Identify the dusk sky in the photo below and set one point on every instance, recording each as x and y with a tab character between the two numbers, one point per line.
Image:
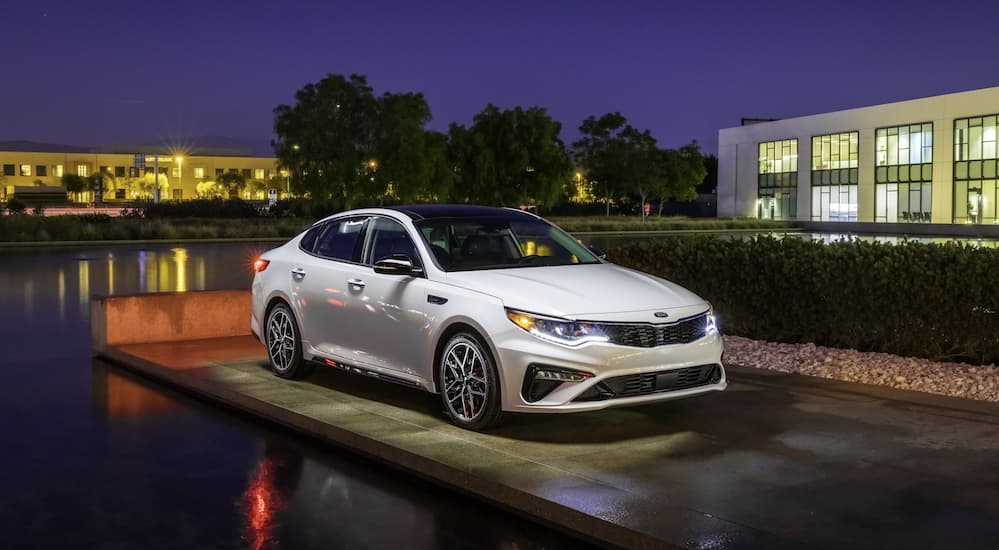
94	73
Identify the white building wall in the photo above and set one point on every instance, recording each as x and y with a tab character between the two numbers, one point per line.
738	149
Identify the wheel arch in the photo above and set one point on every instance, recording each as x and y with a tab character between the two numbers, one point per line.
463	325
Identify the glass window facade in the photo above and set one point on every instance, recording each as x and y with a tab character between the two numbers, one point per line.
834	176
975	178
903	173
778	180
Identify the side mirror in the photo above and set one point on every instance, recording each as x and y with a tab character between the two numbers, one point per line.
397	264
598	252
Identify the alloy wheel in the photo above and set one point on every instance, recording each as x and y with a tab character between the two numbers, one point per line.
281	340
466	386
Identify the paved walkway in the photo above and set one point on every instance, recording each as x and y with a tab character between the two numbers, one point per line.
774	461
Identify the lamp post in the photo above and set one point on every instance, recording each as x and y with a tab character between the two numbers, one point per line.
180	173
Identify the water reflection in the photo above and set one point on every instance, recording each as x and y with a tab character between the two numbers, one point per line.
121	397
288	493
142	271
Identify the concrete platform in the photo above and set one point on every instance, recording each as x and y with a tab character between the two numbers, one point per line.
776	461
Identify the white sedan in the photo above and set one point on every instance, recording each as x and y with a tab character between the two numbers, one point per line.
494	309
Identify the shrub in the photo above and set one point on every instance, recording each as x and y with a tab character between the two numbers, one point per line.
203	208
16	206
925	300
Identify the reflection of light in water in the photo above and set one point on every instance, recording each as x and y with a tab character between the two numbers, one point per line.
261	503
150	272
180	261
201	273
121	397
29	297
62	294
163	274
84	267
142	271
110	273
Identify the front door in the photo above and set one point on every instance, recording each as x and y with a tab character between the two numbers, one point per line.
390	311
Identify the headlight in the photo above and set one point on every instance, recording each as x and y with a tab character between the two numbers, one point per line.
711	324
560	331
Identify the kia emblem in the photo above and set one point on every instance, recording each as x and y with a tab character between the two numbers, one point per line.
661	314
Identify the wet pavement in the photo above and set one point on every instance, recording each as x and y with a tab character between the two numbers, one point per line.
94	457
775	461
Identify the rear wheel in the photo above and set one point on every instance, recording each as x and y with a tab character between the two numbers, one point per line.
284	343
469	383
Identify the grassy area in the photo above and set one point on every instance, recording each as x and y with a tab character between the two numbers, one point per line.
99	227
27	228
653	223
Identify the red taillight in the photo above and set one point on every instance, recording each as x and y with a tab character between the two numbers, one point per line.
260	265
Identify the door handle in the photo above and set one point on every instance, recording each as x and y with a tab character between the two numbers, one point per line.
298	273
356	283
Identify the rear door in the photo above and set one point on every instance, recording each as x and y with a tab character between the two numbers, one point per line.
320	279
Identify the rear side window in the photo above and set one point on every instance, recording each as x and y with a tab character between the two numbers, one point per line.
308	242
340	240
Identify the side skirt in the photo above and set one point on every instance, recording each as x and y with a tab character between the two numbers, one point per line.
367	372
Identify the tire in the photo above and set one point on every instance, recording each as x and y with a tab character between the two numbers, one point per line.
284	343
469	383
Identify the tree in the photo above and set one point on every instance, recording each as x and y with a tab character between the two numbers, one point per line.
509	157
710	182
406	157
74	184
208	189
232	183
618	158
326	136
145	185
683	171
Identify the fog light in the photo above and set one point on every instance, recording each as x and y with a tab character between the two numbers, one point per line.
541	380
544	373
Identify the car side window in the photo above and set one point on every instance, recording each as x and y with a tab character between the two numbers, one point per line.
308	242
340	240
388	238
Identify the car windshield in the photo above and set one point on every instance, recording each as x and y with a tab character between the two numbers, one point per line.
466	244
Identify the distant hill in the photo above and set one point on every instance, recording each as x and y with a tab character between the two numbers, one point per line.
201	145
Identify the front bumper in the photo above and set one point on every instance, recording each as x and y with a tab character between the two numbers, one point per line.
518	350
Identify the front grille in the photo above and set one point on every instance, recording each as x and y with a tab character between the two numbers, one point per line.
653	382
650	336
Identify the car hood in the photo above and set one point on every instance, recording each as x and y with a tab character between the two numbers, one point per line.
579	291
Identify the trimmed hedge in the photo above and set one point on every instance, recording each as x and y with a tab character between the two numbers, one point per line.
99	227
913	299
665	223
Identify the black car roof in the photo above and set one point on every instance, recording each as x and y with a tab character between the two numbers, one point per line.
428	211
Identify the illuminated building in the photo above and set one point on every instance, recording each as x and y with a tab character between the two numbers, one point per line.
187	176
929	160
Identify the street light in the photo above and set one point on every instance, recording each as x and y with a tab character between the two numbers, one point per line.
180	173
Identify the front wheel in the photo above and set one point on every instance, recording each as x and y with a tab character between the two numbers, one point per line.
284	344
469	383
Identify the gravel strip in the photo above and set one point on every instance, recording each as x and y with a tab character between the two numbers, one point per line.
883	369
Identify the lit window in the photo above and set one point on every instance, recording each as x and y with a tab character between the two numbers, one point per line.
25	169
199	172
778	180
82	170
903	174
834	176
909	144
175	172
58	170
976	161
258	174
